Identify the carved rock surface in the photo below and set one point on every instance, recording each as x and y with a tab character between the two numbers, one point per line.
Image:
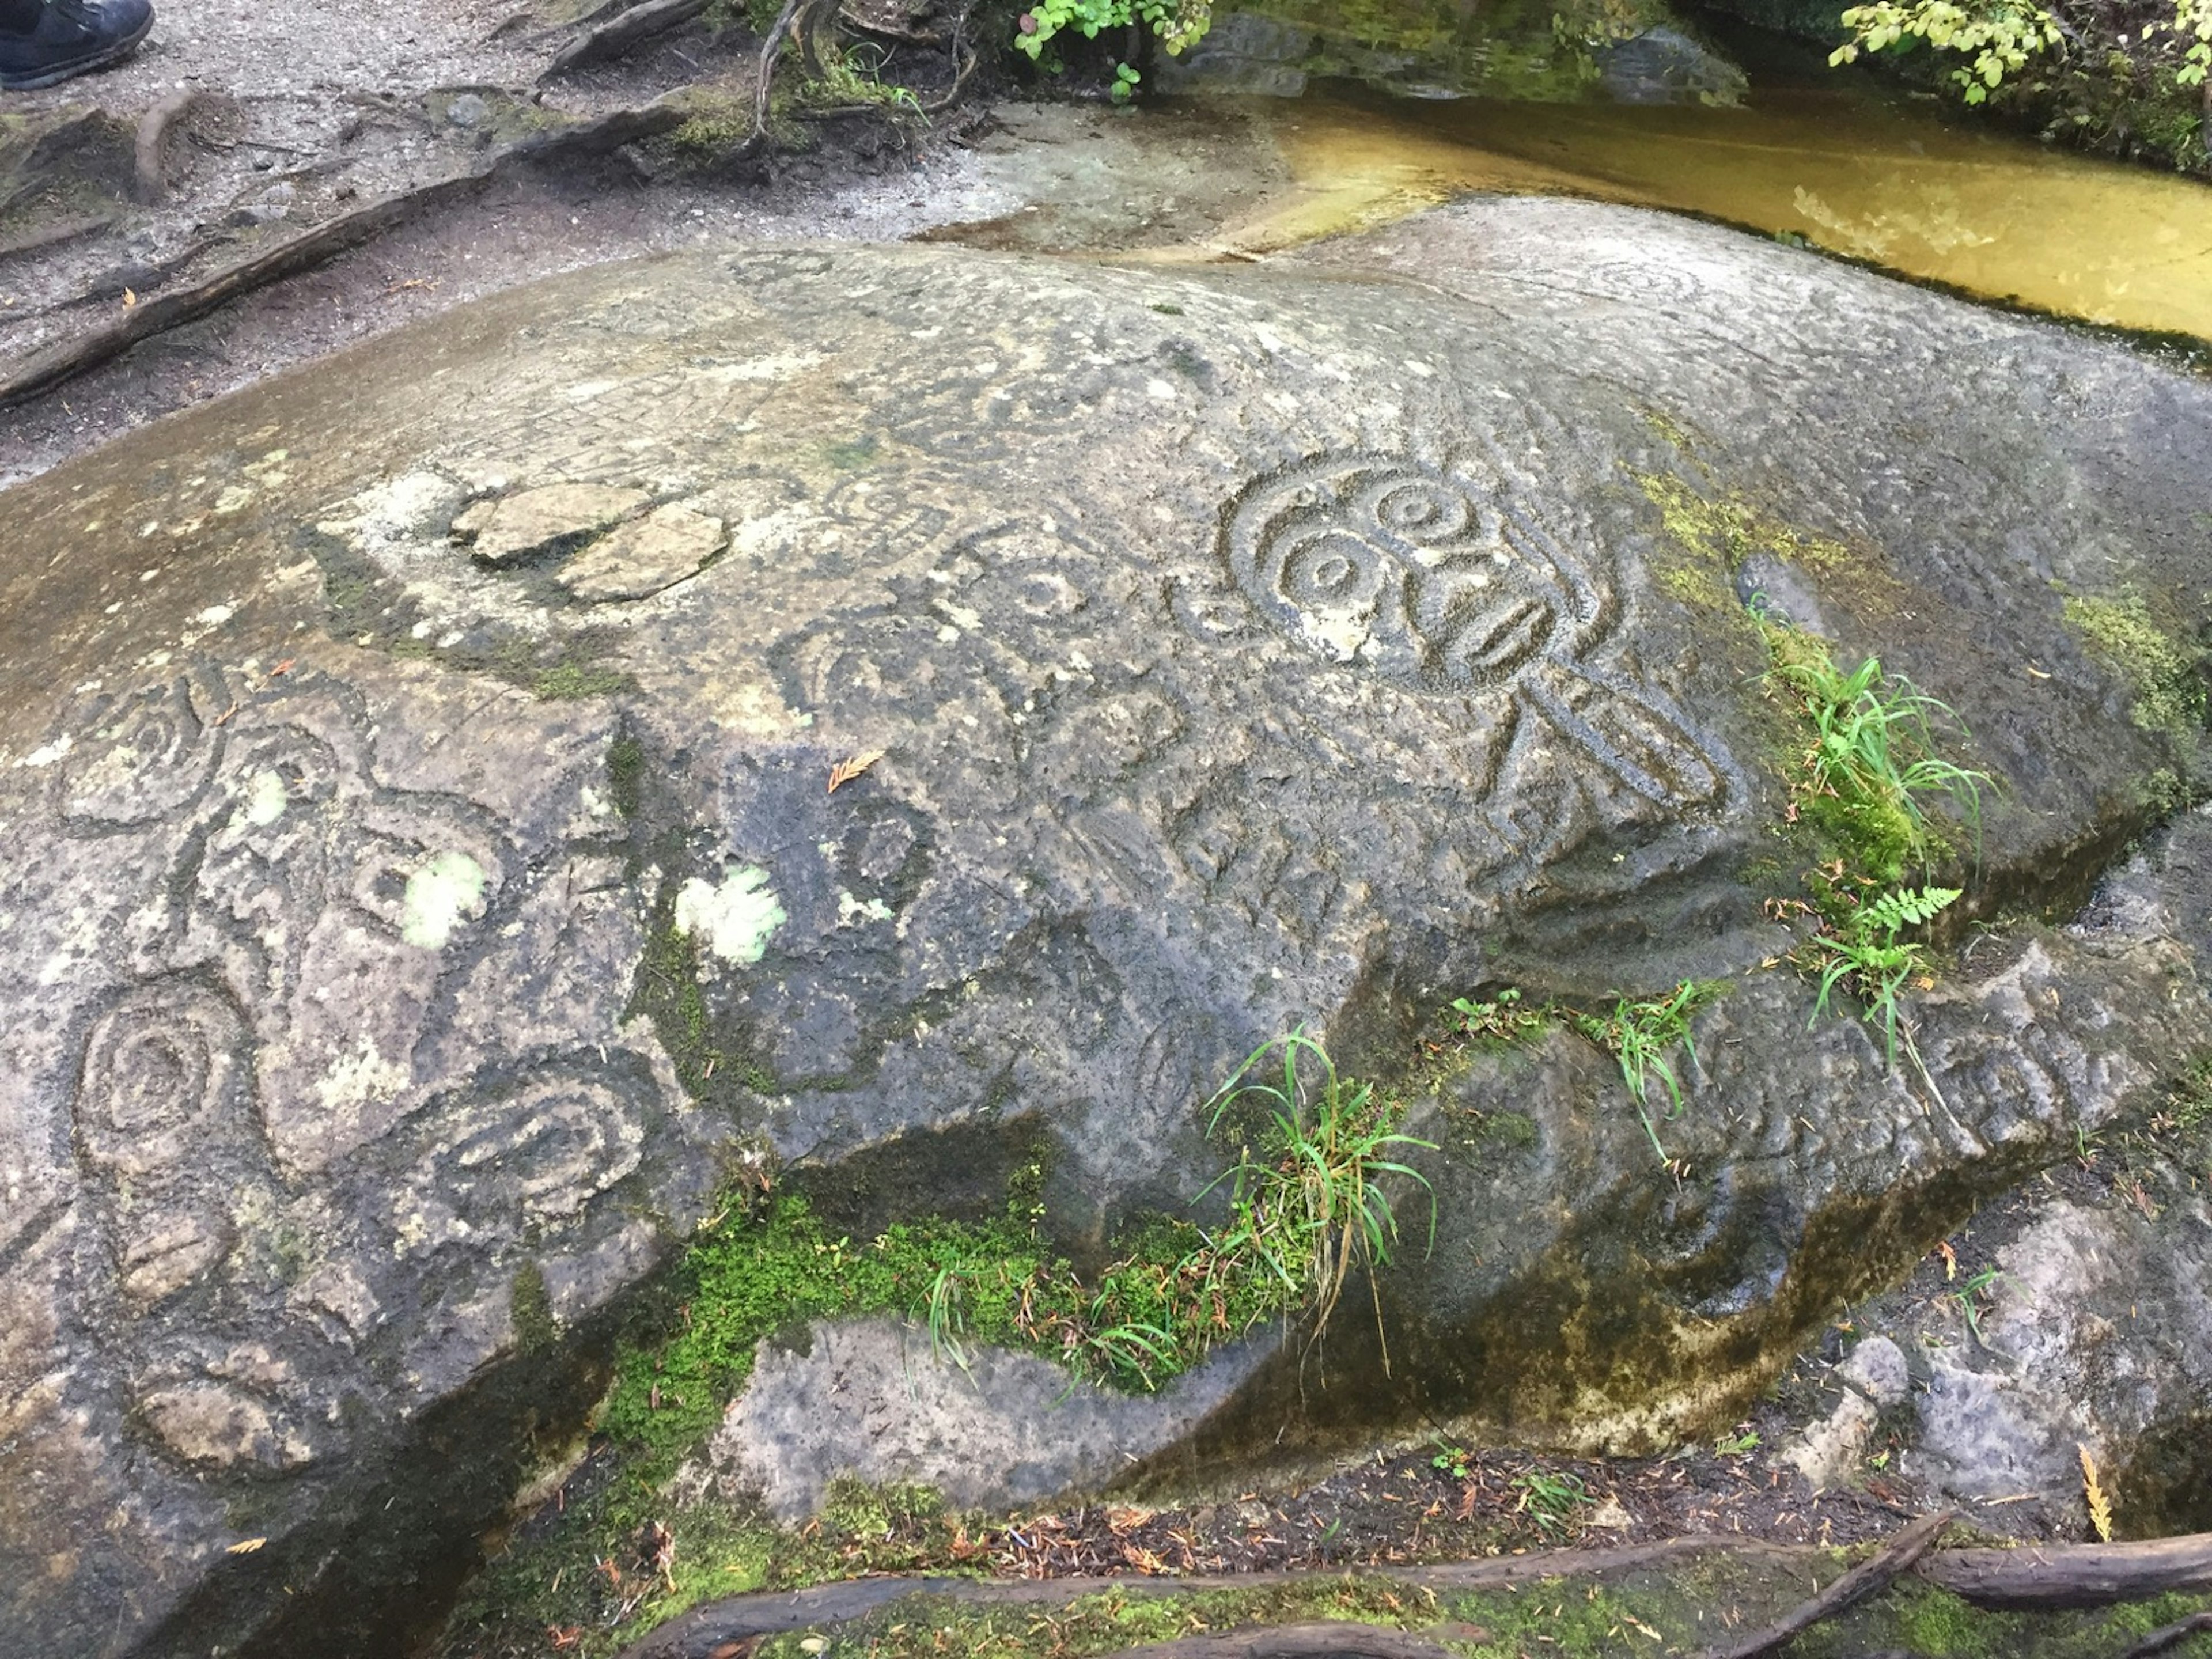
1246	648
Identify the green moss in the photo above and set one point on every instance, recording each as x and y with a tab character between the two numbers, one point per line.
1940	1625
570	682
2170	691
1720	532
532	1309
995	1283
626	774
924	1628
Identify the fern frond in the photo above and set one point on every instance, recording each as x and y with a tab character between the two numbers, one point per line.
2101	1505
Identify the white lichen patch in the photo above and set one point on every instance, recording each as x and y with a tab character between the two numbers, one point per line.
852	911
440	895
265	800
359	1079
736	920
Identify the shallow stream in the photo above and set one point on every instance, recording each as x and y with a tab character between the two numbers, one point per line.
1838	159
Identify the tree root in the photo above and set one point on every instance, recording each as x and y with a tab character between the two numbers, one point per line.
623	31
1335	1641
2169	1636
2044	1577
43	370
1869	1577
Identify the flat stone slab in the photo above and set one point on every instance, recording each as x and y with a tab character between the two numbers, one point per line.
637	561
396	949
871	1398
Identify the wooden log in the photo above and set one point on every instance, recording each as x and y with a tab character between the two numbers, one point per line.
1325	1641
2045	1575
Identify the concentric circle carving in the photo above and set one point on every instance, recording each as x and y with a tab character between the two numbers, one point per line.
163	1066
1416	573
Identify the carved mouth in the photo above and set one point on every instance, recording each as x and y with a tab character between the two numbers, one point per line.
1492	643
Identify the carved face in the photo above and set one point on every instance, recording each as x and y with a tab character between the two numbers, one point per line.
1391	565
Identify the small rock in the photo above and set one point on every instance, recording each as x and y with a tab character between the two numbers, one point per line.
1827	1454
642	558
540	521
1877	1369
469	110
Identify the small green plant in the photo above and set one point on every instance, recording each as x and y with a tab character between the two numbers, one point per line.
1864	950
1997	38
1455	1460
1640	1034
1735	1445
1969	1297
1313	1208
1872	762
1551	1500
1177	24
1502	1019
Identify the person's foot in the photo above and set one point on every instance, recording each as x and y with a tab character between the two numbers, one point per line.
73	37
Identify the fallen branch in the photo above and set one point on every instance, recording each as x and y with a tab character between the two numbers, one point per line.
1333	1641
2029	1578
2073	1575
2167	1635
620	33
43	370
1870	1577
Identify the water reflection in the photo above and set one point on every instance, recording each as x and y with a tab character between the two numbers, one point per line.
1846	166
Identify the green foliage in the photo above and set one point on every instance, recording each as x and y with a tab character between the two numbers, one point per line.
1969	1297
854	76
1498	1022
1997	36
1864	948
1641	1034
1551	1500
2169	692
1872	763
1452	1460
1177	24
1312	1208
626	774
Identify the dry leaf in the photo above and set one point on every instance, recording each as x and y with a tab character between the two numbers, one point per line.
2100	1506
247	1546
846	771
129	299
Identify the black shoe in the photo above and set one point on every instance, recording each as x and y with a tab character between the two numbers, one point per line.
74	37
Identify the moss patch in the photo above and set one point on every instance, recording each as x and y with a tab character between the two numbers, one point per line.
2170	689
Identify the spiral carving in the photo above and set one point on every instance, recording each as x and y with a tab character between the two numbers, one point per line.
163	1066
1385	563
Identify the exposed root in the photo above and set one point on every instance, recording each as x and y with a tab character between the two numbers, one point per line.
1869	1577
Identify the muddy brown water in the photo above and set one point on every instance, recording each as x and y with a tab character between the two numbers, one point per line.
1842	163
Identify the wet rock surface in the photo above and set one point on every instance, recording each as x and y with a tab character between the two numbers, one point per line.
871	1398
1244	648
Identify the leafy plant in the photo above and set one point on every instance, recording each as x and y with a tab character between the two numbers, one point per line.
1968	1297
1455	1460
1873	759
1551	1500
1313	1208
1640	1034
1177	24
1996	38
1865	951
1502	1019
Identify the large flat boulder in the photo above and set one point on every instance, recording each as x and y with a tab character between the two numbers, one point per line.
1090	674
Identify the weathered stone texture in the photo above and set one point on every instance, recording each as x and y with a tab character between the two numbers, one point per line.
1247	648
